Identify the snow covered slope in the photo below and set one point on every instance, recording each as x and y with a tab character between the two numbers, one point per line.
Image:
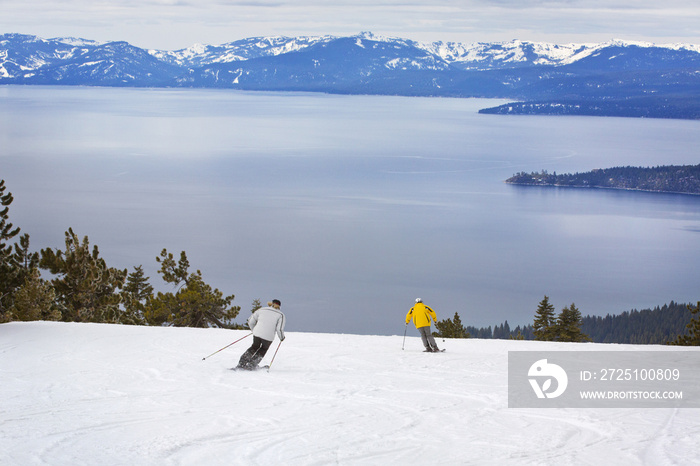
84	394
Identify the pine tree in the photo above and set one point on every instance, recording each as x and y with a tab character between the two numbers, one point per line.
195	304
18	267
134	296
451	328
9	280
569	325
173	272
86	289
545	321
498	332
34	300
461	330
6	230
693	336
137	285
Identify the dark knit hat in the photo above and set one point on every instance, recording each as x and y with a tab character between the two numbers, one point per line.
276	301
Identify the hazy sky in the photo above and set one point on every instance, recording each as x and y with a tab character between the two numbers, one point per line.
176	24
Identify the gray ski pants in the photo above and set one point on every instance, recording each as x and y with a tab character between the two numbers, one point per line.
427	337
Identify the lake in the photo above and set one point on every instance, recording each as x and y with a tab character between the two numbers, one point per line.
347	208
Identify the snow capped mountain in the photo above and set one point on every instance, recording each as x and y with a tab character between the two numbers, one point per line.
77	42
31	60
642	44
21	55
516	53
367	64
32	52
245	49
481	56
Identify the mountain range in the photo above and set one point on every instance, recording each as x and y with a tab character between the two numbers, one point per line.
613	78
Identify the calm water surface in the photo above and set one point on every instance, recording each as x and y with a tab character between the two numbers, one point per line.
347	208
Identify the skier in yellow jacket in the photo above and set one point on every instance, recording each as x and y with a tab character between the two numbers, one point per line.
421	315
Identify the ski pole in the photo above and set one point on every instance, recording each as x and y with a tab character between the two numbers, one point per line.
273	356
404	337
212	354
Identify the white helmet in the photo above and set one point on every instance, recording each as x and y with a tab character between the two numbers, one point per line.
418	300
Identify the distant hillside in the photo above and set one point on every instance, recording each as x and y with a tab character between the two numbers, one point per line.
648	326
683	179
613	78
655	326
639	107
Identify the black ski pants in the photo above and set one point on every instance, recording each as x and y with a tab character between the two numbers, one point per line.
253	355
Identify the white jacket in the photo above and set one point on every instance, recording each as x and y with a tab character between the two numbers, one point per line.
267	321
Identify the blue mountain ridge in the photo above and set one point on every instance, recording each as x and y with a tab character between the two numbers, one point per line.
615	78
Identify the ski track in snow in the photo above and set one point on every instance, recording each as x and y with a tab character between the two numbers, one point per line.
85	394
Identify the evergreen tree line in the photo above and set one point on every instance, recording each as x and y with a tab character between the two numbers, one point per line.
672	323
648	326
86	289
503	332
453	328
564	327
547	326
669	178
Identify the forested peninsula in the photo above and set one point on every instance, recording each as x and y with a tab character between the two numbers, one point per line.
684	179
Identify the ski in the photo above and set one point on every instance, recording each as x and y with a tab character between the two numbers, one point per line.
252	369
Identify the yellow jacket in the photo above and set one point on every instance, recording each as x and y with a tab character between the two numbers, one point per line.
421	315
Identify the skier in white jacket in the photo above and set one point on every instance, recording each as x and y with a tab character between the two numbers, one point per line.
264	323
